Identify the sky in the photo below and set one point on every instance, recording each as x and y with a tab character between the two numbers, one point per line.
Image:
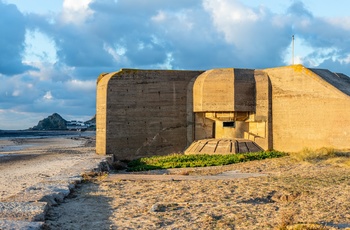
51	52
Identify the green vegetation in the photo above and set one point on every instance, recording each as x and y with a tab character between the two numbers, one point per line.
202	160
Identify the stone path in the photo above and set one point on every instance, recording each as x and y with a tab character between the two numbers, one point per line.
229	175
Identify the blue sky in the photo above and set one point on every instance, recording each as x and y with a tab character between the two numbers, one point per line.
51	52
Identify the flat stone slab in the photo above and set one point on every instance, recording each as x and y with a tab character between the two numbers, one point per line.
25	211
222	146
229	175
20	225
50	192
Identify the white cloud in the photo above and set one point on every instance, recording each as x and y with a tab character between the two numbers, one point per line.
79	85
76	11
76	5
48	96
183	18
253	34
16	93
230	17
160	17
168	62
342	22
345	60
301	50
51	72
117	52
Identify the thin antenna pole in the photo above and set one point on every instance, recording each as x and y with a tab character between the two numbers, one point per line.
293	50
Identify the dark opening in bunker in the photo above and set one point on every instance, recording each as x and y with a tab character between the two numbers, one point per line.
228	124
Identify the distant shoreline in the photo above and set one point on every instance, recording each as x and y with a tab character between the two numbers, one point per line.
43	133
15	140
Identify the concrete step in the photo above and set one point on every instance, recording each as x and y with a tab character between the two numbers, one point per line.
222	146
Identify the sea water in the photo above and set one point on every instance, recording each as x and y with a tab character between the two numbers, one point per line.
15	136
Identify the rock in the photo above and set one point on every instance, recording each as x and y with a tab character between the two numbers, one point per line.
24	211
53	122
119	165
20	225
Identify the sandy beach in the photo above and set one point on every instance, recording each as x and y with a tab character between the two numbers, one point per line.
28	160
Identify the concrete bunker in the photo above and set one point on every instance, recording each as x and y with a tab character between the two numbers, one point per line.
159	112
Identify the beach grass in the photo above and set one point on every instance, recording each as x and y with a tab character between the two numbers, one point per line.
197	160
326	155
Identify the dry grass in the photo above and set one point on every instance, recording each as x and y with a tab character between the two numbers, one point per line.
309	227
325	155
288	219
93	176
294	195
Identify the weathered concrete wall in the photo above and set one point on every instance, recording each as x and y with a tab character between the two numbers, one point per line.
307	110
260	122
224	90
204	128
101	112
244	90
146	112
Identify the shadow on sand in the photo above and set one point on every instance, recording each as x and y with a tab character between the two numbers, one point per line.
84	208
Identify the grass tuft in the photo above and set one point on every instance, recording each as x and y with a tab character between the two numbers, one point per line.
200	160
305	227
327	155
287	222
